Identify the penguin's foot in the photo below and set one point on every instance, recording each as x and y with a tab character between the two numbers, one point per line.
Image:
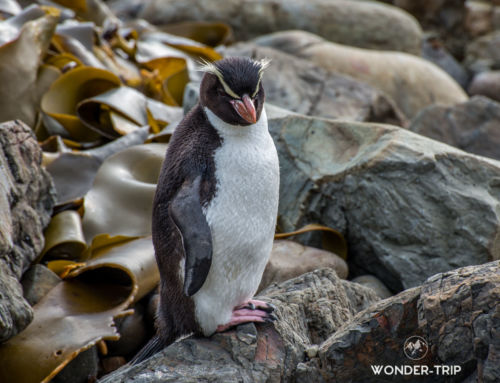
243	314
254	304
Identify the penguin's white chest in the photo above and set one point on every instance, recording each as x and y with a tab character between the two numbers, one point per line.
242	219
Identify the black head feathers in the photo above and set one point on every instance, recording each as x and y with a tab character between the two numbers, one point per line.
238	75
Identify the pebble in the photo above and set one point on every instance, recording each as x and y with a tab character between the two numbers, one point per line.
375	284
82	369
486	84
112	363
312	351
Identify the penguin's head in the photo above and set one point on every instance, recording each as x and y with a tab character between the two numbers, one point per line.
232	89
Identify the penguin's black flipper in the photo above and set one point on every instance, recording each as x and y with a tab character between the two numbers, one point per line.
186	212
154	345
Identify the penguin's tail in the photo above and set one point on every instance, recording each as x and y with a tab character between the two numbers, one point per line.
155	345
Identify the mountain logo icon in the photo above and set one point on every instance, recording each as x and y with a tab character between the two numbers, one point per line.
415	347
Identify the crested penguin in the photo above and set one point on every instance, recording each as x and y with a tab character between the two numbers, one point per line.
215	208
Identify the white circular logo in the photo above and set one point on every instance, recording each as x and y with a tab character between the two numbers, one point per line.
415	347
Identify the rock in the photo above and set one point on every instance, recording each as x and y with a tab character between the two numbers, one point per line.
373	283
366	24
412	82
483	54
309	308
15	312
495	18
478	17
472	126
26	200
290	259
455	314
112	363
303	87
133	333
82	369
434	51
359	298
408	206
486	84
37	282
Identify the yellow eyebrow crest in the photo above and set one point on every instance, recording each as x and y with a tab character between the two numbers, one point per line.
264	63
211	68
226	87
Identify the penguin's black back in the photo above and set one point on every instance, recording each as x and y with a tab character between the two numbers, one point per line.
190	153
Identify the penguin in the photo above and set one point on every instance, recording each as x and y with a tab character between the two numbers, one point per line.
215	208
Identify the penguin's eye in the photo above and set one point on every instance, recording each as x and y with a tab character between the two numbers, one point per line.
222	92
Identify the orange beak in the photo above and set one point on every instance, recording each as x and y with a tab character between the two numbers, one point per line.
245	108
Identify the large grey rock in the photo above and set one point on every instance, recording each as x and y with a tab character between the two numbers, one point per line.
367	25
26	200
304	87
456	314
408	206
309	309
472	126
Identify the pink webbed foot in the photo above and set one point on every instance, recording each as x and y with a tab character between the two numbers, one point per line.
251	311
254	304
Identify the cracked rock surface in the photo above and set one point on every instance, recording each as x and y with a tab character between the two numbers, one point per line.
26	200
408	206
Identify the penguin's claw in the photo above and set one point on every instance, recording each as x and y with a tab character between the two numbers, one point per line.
271	307
254	304
270	318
